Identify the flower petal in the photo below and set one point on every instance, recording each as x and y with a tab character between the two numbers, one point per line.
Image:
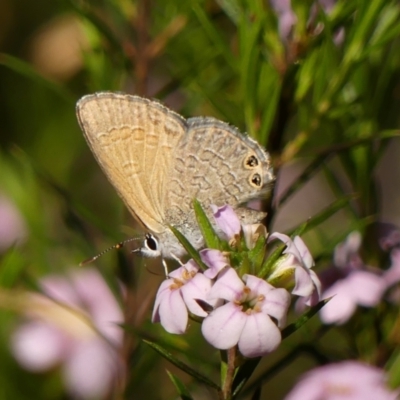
173	313
305	254
276	305
163	290
228	286
304	284
227	220
290	247
366	288
39	346
349	380
257	285
340	307
197	288
259	336
190	267
223	327
252	233
214	260
91	369
99	302
346	250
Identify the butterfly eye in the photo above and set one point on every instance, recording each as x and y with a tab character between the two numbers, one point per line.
251	162
151	242
255	180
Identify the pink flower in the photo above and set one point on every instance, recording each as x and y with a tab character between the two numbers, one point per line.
359	288
350	284
346	255
215	261
74	324
178	294
246	318
231	226
298	259
227	220
348	380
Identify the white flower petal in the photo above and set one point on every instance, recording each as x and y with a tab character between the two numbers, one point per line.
340	307
214	260
260	336
305	254
227	220
173	312
223	327
290	246
196	289
228	286
276	305
304	285
163	290
367	288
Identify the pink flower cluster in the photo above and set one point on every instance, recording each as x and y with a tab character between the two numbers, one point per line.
74	325
246	311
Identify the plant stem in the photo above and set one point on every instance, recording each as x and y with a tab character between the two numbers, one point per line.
230	373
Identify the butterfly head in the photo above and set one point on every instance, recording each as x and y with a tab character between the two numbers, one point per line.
150	248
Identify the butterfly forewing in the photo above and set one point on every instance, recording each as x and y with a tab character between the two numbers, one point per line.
133	140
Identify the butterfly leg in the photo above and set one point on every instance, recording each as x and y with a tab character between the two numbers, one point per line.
164	263
176	259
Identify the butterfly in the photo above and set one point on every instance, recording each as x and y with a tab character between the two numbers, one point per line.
159	162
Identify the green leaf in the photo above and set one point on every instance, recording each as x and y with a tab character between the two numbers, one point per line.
180	387
394	369
257	253
306	75
243	374
270	261
303	319
214	35
269	92
387	26
232	9
250	30
182	366
189	248
12	267
211	238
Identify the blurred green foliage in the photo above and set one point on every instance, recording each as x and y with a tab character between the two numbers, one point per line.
326	95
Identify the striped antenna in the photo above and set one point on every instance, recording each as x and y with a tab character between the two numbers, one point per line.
115	246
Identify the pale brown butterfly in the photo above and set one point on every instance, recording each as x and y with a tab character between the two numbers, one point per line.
159	162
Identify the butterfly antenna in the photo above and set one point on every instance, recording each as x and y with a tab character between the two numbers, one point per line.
115	246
